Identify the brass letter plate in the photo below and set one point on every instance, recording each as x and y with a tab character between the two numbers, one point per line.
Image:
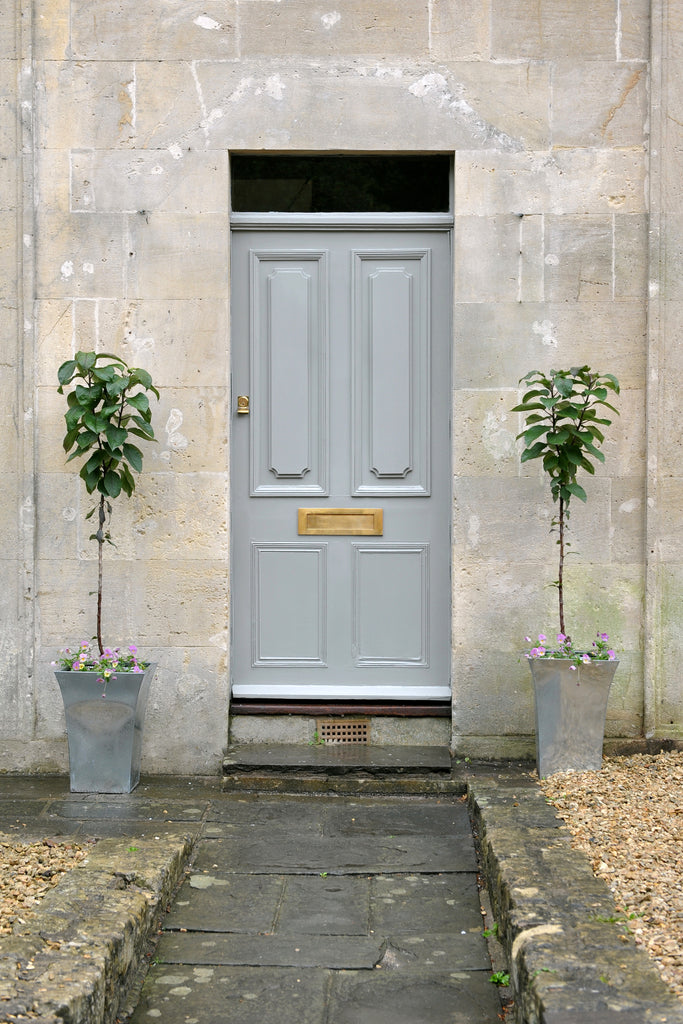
364	522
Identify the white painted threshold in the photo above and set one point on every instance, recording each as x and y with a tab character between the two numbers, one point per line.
290	691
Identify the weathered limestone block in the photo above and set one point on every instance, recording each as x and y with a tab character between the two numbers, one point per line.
177	256
671	281
668	709
156	30
670	503
595	181
579	258
624	446
181	342
494	521
484	441
85	104
175	515
613	109
150	181
190	427
8	35
501	342
51	30
627	538
508	104
8	126
460	31
55	338
192	431
191	677
500	259
246	105
152	603
79	256
543	29
630	261
17	705
352	27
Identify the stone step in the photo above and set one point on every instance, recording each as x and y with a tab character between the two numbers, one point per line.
340	768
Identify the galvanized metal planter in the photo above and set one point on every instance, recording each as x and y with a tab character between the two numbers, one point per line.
104	733
571	706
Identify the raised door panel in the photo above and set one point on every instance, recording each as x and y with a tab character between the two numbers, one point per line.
391	604
289	586
391	354
289	373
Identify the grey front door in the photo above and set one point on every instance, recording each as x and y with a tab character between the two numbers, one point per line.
341	466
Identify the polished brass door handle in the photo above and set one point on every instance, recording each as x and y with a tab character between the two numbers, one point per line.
243	404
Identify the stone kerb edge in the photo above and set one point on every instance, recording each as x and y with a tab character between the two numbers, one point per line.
568	958
76	956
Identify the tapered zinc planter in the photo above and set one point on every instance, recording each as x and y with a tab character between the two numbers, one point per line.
571	706
105	733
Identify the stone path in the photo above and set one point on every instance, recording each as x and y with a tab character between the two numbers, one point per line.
326	910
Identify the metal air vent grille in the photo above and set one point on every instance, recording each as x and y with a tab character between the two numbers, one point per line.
335	730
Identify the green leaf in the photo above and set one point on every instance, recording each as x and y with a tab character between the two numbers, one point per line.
86	439
533	432
577	490
104	373
564	385
144	426
139	401
86	360
66	371
134	456
127	480
558	438
94	423
116	436
533	453
111	484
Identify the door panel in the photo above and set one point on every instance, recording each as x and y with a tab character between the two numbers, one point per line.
289	373
391	379
342	341
289	583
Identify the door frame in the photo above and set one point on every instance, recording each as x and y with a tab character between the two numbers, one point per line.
324	223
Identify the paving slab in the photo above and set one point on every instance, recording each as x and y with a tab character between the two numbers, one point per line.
127	808
288	853
240	995
398	818
334	951
425	903
236	903
316	905
392	997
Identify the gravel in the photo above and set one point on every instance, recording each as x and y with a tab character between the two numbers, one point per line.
28	871
628	819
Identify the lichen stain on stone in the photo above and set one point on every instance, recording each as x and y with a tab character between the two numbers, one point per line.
497	440
435	86
628	88
127	101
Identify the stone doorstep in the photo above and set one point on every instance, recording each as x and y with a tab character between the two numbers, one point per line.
342	768
337	759
77	955
568	965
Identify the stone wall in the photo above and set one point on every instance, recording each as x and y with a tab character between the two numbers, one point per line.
135	109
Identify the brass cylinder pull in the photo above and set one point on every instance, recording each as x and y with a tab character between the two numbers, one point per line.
243	404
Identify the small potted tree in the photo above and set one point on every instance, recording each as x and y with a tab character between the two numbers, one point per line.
564	417
104	689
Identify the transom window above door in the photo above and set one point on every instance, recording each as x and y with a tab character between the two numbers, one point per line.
340	184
